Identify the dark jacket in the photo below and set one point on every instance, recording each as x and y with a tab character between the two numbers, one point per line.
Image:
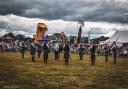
106	51
81	51
22	49
39	49
45	50
33	49
66	51
114	51
93	50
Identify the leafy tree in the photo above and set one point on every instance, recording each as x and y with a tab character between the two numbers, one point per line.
20	37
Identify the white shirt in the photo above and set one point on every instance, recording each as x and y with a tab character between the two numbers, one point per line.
56	47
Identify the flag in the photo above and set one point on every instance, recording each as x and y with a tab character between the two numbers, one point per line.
81	22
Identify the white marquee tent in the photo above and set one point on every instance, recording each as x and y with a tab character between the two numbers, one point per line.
120	37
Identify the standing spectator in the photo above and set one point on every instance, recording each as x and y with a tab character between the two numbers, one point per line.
81	52
66	53
106	53
39	50
22	50
56	50
60	47
45	54
33	51
114	53
93	53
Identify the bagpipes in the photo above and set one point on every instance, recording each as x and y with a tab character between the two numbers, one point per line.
114	42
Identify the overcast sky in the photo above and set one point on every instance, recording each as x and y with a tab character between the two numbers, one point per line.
101	17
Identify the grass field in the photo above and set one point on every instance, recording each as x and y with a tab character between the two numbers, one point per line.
17	74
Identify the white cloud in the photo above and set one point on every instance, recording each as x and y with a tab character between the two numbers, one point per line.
2	32
27	26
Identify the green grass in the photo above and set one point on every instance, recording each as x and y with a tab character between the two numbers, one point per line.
17	74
